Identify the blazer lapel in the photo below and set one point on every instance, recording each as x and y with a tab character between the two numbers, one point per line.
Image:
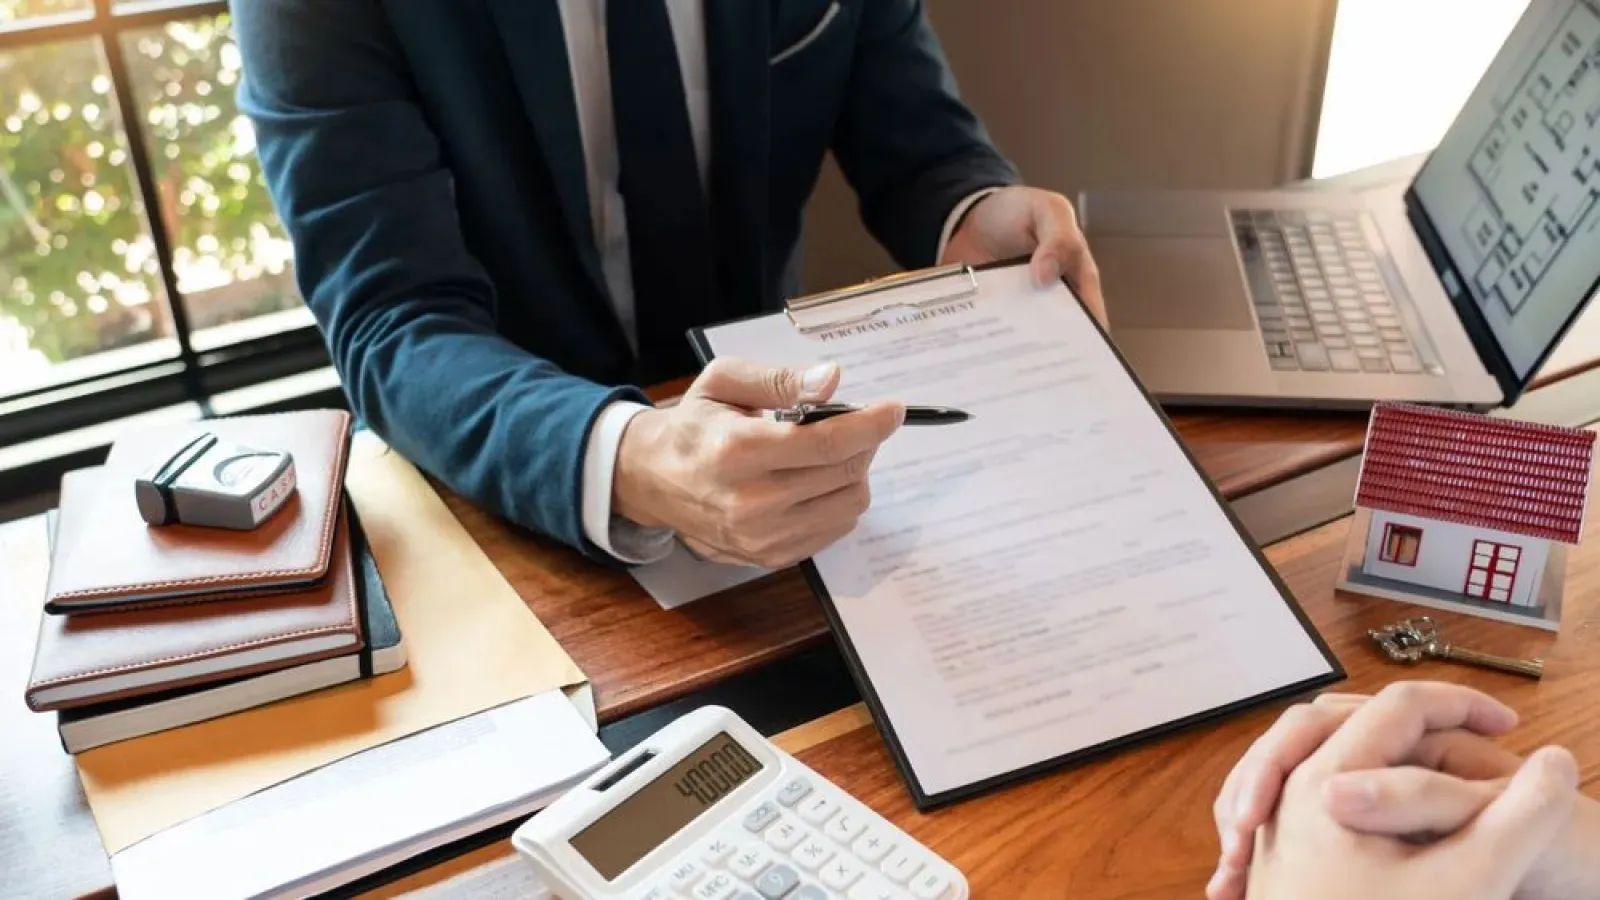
737	42
536	49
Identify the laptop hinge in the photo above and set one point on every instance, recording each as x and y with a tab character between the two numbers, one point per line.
1472	319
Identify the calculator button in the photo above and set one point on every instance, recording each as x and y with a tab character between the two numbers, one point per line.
785	834
872	846
809	892
845	827
930	885
793	792
777	882
901	865
748	861
817	809
659	892
760	817
716	886
746	895
683	874
715	850
840	873
873	887
812	853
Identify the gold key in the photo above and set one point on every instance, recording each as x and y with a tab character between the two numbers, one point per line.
1414	640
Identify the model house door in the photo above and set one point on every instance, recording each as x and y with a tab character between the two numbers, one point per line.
1492	571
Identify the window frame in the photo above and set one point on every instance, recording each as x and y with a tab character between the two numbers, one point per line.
190	376
1393	530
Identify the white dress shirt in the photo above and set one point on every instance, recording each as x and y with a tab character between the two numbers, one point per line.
583	24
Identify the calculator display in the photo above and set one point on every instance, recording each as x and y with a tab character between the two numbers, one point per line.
665	806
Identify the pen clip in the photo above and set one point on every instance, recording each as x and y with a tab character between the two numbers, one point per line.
797	413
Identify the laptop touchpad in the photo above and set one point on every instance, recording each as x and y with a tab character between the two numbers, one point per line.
1171	282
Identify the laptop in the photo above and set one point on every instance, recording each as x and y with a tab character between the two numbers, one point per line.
1451	289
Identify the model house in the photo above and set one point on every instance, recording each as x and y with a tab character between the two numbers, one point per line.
1469	504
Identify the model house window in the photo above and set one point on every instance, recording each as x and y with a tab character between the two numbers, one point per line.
1493	571
1400	544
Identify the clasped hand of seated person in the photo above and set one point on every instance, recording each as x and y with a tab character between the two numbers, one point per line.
1403	795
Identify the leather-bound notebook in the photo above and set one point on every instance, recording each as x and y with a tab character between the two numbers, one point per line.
84	660
87	727
107	557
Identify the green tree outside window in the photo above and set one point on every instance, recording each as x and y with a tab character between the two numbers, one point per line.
77	267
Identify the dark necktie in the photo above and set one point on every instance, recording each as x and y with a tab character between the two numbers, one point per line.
671	249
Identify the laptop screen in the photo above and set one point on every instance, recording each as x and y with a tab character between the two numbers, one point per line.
1513	189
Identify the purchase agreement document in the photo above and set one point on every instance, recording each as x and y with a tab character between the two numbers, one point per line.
1051	579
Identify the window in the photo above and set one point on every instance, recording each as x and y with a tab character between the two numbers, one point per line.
1492	573
1398	72
1400	544
141	262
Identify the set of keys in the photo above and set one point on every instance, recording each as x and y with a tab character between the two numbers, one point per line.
1415	640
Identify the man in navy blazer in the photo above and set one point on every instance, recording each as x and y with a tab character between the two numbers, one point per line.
505	213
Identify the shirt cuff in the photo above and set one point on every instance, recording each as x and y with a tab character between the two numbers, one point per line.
954	219
627	541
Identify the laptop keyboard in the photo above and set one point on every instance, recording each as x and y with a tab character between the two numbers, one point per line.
1321	303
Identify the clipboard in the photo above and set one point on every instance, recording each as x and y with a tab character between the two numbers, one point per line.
960	279
814	315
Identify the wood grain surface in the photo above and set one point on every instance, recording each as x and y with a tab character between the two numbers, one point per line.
1138	824
637	656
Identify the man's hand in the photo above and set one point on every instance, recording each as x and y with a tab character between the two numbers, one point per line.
1019	221
1251	791
1447	780
739	487
1454	777
1303	852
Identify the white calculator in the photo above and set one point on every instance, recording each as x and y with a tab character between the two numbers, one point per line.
707	809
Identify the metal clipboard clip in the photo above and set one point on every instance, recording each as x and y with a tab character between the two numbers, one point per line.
964	284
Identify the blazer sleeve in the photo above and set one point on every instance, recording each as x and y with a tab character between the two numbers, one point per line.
908	145
407	312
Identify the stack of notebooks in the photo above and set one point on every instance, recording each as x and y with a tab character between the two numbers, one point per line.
148	628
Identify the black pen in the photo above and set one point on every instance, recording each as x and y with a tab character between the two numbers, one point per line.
806	413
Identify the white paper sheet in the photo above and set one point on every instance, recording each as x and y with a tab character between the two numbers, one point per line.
1053	574
371	810
681	578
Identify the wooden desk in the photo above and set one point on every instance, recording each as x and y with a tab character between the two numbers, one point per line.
1138	823
637	656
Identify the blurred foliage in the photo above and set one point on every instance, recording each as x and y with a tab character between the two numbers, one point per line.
12	10
77	266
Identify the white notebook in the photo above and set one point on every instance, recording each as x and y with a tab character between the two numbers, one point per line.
1054	578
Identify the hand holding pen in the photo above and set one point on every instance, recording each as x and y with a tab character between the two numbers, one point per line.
736	486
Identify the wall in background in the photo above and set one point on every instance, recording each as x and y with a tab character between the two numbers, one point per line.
1081	93
1390	94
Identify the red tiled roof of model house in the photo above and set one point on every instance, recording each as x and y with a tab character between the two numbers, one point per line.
1520	477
